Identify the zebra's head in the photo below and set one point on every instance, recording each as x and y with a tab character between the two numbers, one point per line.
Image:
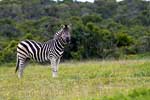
64	33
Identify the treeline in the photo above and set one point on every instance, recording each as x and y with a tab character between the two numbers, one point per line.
103	29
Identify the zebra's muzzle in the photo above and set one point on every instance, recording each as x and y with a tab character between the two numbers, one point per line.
67	40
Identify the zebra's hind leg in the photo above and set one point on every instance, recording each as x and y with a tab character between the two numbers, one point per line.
22	65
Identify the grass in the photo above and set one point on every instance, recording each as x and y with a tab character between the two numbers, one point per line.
138	56
87	80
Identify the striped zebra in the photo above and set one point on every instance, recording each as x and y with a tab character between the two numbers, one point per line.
51	50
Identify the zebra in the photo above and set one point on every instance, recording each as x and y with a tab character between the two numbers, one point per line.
51	51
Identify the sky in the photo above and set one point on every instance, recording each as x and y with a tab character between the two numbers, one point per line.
93	0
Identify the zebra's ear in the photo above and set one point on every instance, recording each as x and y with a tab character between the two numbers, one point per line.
69	26
62	26
65	26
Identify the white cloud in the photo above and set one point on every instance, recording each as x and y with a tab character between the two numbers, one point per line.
86	0
92	0
119	0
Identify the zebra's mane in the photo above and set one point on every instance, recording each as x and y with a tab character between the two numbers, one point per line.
49	41
57	34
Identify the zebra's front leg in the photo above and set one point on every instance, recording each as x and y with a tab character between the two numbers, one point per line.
54	67
57	62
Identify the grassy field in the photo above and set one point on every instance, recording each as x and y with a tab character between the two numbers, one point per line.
86	80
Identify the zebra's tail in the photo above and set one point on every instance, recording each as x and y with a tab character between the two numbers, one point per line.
17	65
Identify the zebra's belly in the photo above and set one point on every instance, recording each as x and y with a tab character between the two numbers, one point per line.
40	60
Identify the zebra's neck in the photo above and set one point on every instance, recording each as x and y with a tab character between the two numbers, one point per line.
60	44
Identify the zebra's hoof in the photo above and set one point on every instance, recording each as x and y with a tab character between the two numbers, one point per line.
54	75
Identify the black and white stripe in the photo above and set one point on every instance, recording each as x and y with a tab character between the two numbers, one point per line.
51	50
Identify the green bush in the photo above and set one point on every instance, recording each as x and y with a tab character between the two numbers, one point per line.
104	29
123	39
8	54
92	18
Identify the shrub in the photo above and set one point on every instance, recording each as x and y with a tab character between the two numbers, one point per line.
8	54
123	39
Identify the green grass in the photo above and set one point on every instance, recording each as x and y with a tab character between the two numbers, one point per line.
87	80
138	56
